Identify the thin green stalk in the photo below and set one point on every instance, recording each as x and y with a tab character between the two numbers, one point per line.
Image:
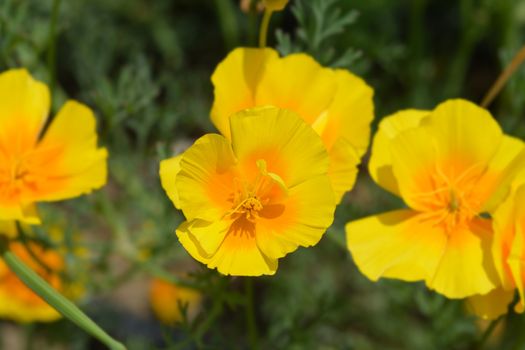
250	314
25	242
199	333
212	316
53	298
511	68
51	49
265	24
488	332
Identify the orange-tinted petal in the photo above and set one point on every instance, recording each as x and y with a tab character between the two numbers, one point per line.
290	148
67	161
17	301
206	179
456	126
414	165
238	254
299	220
466	267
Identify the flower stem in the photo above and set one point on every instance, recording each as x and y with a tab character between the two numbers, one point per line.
504	77
263	33
53	298
250	314
488	332
25	242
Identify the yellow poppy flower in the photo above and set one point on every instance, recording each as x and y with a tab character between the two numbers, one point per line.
254	199
336	103
167	299
36	165
451	166
18	302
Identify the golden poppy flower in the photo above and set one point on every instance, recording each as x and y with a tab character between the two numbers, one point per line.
17	301
336	103
451	166
254	199
167	299
36	165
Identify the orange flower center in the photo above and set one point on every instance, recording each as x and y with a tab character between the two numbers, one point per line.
249	200
452	199
248	204
251	207
14	178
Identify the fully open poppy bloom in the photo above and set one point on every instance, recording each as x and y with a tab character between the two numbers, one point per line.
254	199
336	103
451	166
17	301
168	299
36	165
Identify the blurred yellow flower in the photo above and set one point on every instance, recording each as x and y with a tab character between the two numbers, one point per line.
254	199
336	103
275	5
508	249
168	299
36	165
18	302
451	166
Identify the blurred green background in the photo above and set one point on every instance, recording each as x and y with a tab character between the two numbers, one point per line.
145	66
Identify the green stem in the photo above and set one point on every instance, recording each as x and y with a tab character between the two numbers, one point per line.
488	332
51	53
53	298
25	242
263	33
214	313
250	314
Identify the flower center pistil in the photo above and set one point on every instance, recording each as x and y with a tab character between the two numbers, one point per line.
249	199
251	207
15	178
452	201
